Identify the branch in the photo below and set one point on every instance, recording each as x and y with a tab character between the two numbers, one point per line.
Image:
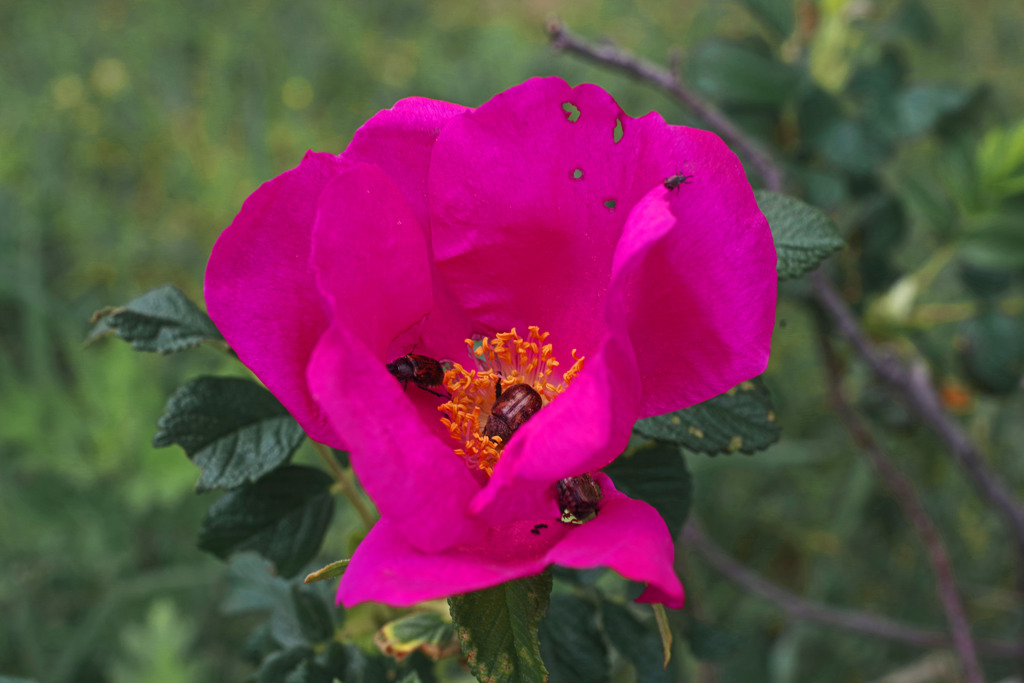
800	608
609	55
906	495
917	391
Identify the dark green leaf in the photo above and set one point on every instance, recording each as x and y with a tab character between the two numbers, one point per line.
283	517
1000	245
233	429
307	615
294	665
497	629
804	236
658	476
710	643
252	585
736	73
571	643
427	632
991	348
161	320
985	282
637	642
852	146
777	15
741	419
920	107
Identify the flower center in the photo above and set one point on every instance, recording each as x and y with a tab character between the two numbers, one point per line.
514	378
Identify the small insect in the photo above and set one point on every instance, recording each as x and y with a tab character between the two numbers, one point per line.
511	410
536	529
423	371
673	182
578	498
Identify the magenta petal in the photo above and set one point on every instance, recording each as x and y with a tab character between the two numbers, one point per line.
520	240
700	297
262	294
370	257
627	536
400	141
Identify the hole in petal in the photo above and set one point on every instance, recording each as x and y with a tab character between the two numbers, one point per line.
572	112
577	174
617	133
609	203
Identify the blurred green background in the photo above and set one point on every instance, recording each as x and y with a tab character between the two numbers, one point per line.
130	133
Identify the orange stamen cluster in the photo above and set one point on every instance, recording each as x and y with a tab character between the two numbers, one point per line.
509	359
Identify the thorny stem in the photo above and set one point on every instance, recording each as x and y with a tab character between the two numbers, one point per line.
913	509
345	484
910	383
801	608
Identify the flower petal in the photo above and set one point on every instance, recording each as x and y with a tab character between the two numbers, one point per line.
261	293
517	236
400	141
700	297
370	257
627	535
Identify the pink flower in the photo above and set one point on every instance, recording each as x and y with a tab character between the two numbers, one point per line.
546	207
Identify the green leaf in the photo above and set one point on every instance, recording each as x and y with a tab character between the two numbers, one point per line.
991	347
710	643
737	73
637	642
163	320
283	517
428	632
571	642
777	15
920	107
999	245
497	629
658	476
804	236
741	419
294	665
252	585
307	617
233	429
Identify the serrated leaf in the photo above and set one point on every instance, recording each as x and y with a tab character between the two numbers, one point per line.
497	629
804	236
233	429
742	419
635	641
571	643
658	476
427	632
283	517
331	571
162	320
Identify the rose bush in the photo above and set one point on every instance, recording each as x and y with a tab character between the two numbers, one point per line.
546	209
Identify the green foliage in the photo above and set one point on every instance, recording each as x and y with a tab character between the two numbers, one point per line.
155	652
637	643
283	516
497	629
656	475
742	419
804	236
991	348
161	320
233	429
427	632
777	15
739	73
571	642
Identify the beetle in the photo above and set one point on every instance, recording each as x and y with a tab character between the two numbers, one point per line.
511	409
578	498
673	182
423	371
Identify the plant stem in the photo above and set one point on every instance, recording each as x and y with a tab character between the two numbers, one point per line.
345	484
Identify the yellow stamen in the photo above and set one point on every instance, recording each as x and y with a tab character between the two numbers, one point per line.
509	359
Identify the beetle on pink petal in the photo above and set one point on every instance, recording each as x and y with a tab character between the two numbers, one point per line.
537	240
